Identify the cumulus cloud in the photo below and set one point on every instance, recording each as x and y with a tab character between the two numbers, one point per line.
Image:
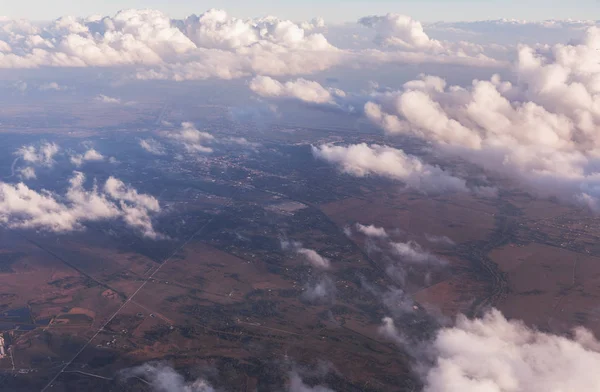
363	160
310	255
23	207
494	354
192	139
540	131
400	30
412	252
315	259
153	146
301	89
371	231
90	155
407	41
213	45
42	155
163	378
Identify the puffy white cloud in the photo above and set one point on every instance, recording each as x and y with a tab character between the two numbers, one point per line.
153	146
212	44
494	354
192	139
23	207
315	259
363	160
163	378
541	131
301	89
400	30
372	231
406	41
91	155
42	155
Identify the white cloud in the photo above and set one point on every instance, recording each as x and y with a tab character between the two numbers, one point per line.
42	155
22	207
90	155
412	252
297	385
106	99
213	45
163	378
540	131
192	139
315	259
400	30
152	146
372	231
322	290
406	41
363	160
494	354
51	86
389	331
27	173
440	240
301	89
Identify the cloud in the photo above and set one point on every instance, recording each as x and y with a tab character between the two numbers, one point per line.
106	99
400	30
412	252
150	45
389	331
372	231
297	385
315	259
164	378
364	160
440	240
152	146
540	131
90	155
192	139
42	155
311	256
321	290
405	40
23	207
27	173
301	89
494	354
51	86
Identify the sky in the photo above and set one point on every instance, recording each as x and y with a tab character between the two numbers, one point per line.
334	11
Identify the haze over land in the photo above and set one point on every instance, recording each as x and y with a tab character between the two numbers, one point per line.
217	203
